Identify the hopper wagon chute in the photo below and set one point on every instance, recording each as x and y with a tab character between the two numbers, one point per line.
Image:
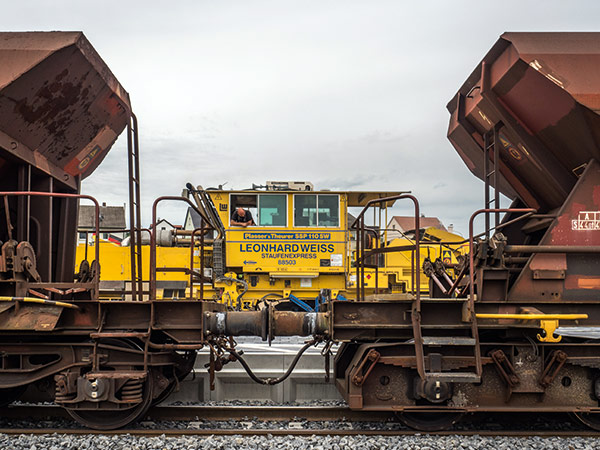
527	122
61	110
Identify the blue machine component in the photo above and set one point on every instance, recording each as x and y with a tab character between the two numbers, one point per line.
306	307
300	303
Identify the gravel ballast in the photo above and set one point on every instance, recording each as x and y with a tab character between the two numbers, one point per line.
128	442
470	423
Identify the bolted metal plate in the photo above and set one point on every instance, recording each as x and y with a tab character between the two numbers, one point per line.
30	317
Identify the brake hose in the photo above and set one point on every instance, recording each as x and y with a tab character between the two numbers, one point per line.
272	381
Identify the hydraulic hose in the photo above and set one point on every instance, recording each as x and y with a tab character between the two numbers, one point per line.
272	381
264	298
238	300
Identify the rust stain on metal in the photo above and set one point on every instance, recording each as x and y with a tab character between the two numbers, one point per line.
31	317
582	282
61	108
544	91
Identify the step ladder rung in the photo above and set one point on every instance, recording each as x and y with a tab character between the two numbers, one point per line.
454	377
448	340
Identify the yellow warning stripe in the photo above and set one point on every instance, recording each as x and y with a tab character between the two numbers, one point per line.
533	316
38	300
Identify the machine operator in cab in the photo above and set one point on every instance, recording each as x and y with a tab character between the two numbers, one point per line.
241	218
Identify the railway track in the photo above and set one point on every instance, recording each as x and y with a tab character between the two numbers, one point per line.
252	420
296	432
217	413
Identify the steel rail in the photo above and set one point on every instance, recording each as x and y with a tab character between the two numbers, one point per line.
339	414
216	413
296	432
267	412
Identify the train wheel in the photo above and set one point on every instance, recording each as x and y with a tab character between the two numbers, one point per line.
180	372
429	421
7	396
111	419
591	420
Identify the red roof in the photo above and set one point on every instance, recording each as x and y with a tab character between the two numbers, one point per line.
407	223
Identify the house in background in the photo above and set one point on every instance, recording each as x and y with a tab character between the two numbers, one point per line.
192	219
192	222
401	225
164	224
112	222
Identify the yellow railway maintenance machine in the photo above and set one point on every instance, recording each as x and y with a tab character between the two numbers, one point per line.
300	246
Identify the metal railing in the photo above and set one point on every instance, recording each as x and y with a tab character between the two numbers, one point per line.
528	212
362	254
5	195
135	215
202	230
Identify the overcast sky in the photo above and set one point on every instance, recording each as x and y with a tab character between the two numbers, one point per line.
345	94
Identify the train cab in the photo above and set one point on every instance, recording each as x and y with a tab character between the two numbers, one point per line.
298	242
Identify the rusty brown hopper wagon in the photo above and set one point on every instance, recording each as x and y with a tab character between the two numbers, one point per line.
61	110
528	121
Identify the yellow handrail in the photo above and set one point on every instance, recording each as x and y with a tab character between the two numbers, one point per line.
38	300
548	322
532	316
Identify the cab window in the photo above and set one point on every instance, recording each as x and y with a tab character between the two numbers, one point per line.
272	210
316	210
305	210
246	201
329	211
